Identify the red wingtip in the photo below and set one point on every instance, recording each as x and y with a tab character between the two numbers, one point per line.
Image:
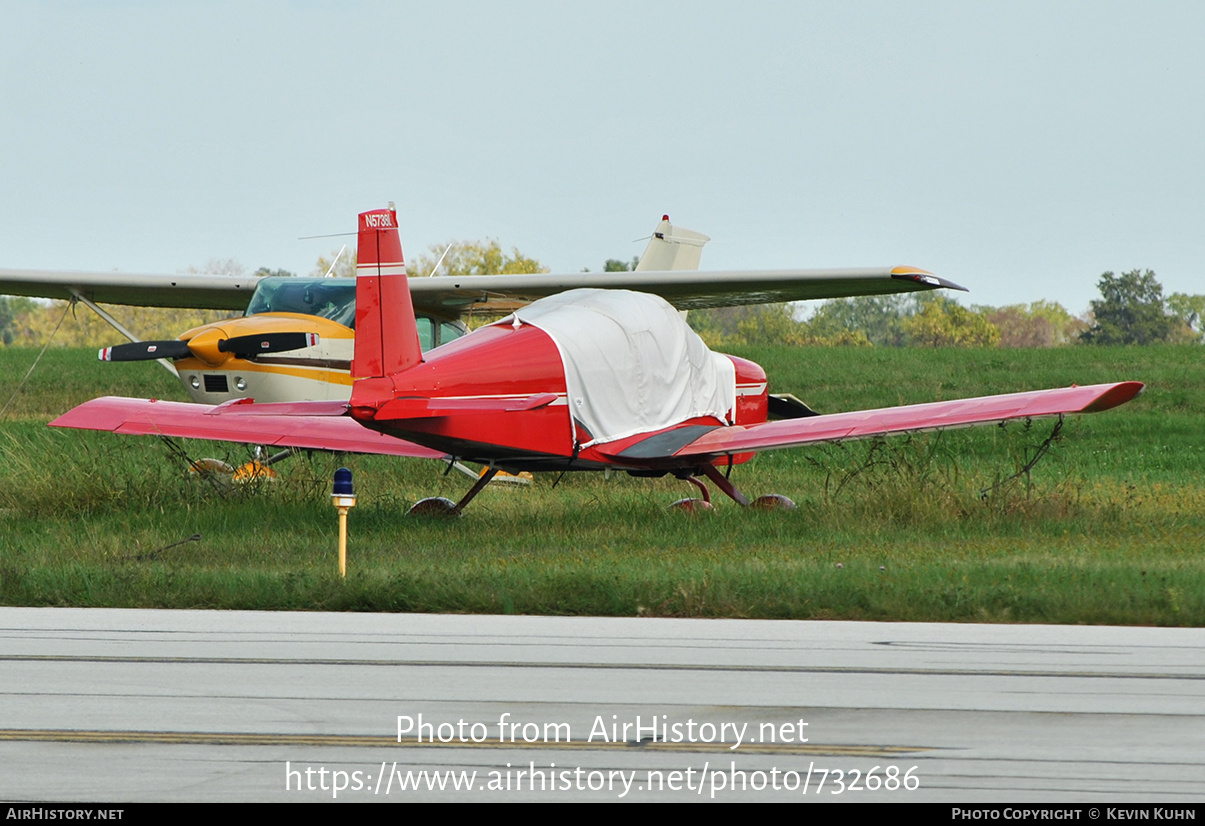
1116	395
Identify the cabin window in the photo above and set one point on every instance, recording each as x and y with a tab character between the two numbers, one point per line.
335	298
450	331
332	298
426	333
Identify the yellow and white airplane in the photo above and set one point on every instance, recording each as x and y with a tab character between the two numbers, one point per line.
295	338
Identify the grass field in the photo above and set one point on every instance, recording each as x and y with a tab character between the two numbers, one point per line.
1108	528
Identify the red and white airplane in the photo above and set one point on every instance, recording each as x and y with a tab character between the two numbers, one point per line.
587	379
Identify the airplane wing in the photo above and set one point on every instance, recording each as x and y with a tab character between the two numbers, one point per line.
453	295
205	292
284	425
323	425
704	443
690	290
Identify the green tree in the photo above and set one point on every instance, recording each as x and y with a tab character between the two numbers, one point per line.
877	318
1131	310
1040	324
763	324
12	313
1190	309
945	323
749	324
339	263
83	328
473	258
265	272
615	265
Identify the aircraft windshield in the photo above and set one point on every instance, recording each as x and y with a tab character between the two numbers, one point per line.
333	298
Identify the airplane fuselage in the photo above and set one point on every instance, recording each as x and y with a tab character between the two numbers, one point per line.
499	395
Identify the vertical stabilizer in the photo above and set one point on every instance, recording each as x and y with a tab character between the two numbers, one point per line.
386	333
672	248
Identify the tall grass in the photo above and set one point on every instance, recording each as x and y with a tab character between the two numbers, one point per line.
1107	528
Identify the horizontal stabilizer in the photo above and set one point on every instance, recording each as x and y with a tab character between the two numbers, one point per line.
419	408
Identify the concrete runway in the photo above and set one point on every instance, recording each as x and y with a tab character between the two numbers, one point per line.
125	705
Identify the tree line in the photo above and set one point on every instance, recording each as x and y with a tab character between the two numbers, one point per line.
1131	310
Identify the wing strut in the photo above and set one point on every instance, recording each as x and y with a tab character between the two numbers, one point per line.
33	366
117	325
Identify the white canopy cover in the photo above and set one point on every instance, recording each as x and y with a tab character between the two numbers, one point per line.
632	364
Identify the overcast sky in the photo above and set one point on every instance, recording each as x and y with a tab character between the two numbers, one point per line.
1017	148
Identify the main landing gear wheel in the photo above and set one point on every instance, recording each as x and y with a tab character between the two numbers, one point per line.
258	469
772	501
212	467
434	506
693	506
439	506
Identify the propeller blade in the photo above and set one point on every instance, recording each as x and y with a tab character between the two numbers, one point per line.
250	346
146	351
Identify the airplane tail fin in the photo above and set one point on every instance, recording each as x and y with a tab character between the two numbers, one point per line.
386	333
672	248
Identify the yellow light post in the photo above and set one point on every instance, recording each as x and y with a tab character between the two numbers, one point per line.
344	499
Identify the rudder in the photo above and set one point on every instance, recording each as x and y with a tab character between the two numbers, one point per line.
386	332
672	248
